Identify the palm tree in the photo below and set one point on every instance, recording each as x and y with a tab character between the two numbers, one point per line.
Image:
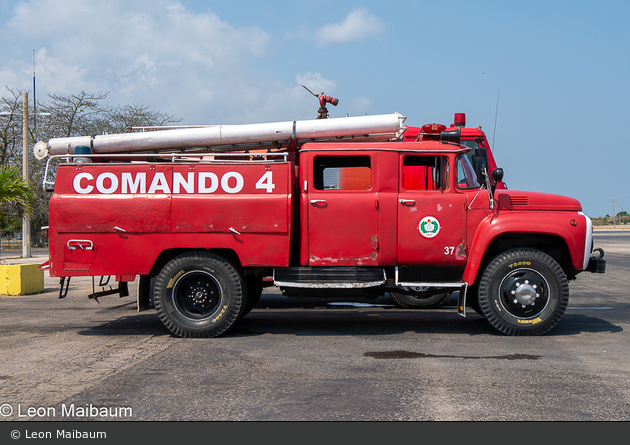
14	188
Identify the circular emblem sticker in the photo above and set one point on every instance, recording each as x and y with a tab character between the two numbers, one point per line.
429	227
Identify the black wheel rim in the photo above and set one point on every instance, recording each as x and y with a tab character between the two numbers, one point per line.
197	294
524	293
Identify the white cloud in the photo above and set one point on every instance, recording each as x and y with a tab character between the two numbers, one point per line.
157	53
59	75
8	78
360	105
194	65
358	25
316	83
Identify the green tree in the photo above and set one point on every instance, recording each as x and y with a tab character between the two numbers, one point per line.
14	190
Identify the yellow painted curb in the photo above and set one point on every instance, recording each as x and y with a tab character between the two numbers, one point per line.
21	279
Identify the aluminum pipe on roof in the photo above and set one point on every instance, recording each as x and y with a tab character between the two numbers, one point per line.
177	139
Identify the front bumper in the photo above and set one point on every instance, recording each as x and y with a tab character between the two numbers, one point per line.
597	264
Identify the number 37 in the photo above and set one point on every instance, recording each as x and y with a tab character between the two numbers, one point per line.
448	250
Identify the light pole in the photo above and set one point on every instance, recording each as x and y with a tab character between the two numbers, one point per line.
26	219
3	113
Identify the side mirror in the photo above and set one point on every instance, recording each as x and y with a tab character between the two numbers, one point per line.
497	174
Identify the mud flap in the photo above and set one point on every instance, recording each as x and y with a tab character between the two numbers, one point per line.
461	301
143	295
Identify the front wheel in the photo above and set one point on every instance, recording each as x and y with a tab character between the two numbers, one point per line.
523	292
198	294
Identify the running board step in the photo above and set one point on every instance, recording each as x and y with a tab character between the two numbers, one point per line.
329	277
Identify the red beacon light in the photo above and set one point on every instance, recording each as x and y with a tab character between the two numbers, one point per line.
430	132
460	120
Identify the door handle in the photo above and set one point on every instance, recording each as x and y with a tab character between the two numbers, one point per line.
318	201
74	243
407	201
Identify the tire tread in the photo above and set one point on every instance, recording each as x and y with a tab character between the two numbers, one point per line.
488	278
205	257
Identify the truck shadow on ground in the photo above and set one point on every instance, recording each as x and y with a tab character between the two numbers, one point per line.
573	324
347	322
400	322
147	323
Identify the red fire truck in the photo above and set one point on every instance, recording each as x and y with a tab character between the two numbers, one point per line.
202	215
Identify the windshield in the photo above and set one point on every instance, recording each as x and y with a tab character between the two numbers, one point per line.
466	177
471	154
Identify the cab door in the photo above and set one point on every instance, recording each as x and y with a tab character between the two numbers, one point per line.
342	207
431	218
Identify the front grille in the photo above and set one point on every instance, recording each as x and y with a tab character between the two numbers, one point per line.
519	200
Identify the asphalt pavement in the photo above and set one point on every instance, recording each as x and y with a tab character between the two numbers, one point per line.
295	359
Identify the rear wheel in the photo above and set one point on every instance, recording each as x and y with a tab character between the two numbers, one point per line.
523	292
419	299
198	295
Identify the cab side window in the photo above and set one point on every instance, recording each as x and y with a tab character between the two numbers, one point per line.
424	172
342	173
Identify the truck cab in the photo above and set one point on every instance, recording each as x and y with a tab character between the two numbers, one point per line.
416	216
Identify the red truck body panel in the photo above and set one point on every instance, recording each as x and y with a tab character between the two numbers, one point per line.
540	215
116	218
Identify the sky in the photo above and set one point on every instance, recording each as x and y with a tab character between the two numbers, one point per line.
548	81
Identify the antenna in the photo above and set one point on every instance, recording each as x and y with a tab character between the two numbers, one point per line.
495	121
34	101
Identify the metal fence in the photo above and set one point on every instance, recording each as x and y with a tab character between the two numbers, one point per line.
15	245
